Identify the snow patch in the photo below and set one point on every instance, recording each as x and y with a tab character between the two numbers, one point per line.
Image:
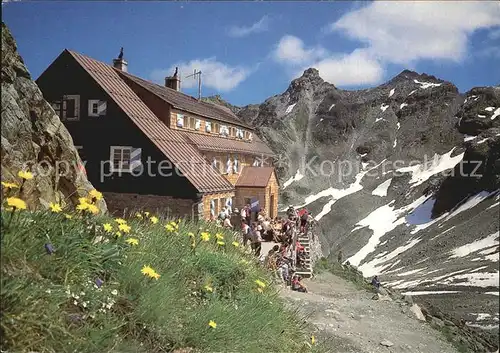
395	143
384	107
495	114
380	221
464	250
392	92
403	105
439	163
494	205
296	177
469	138
482	141
381	190
290	108
492	293
417	293
399	125
321	119
378	119
425	85
407	273
481	116
481	279
489	109
412	92
333	105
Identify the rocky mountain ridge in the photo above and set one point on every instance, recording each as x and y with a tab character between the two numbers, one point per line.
404	178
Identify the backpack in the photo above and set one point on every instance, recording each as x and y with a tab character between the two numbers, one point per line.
304	216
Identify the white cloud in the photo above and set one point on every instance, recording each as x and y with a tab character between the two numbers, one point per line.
215	74
241	31
494	34
356	68
291	50
402	32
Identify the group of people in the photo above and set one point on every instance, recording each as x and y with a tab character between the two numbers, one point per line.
256	227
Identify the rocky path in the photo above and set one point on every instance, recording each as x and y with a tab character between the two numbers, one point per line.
348	320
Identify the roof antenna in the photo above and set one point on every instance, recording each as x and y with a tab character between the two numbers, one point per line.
199	81
120	56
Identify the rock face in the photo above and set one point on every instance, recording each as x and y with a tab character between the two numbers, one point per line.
390	174
34	139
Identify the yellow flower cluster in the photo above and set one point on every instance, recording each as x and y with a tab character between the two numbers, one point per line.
172	226
16	203
86	205
149	272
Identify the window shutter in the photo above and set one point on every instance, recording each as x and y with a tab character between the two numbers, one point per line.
135	159
235	165
212	208
101	108
228	165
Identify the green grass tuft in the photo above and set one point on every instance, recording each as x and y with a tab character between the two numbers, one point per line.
50	302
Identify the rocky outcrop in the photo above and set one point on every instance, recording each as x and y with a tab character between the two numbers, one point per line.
34	139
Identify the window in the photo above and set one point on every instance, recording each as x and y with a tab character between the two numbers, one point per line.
97	107
208	126
228	165
180	120
197	124
71	107
239	133
216	128
57	108
235	165
246	135
224	130
120	159
190	122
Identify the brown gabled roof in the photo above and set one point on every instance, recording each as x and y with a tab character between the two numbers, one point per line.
187	103
221	144
174	145
255	177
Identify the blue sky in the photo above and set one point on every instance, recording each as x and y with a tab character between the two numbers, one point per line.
249	51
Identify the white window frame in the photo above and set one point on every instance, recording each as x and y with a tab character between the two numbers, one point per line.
93	102
76	98
180	122
111	159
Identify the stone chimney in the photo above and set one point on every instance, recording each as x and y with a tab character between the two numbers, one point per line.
173	82
120	63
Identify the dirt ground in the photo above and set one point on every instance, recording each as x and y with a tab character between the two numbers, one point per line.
348	320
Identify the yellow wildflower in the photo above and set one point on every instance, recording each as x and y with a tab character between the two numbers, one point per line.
219	236
313	339
125	228
92	208
8	185
169	227
138	215
95	194
219	242
25	175
208	288
83	200
156	275
132	241
205	236
82	206
235	244
118	234
191	234
108	227
147	271
55	207
146	213
259	290
154	220
68	216
212	324
16	203
260	283
120	221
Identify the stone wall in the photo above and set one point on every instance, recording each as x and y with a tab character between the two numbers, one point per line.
122	204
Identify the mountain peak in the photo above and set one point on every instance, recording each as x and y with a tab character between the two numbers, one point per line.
413	75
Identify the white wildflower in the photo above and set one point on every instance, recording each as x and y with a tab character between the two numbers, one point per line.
75	302
48	291
114	292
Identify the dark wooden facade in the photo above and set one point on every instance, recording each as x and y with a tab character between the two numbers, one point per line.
96	135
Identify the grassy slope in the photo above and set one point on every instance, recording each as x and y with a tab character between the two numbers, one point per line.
49	303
